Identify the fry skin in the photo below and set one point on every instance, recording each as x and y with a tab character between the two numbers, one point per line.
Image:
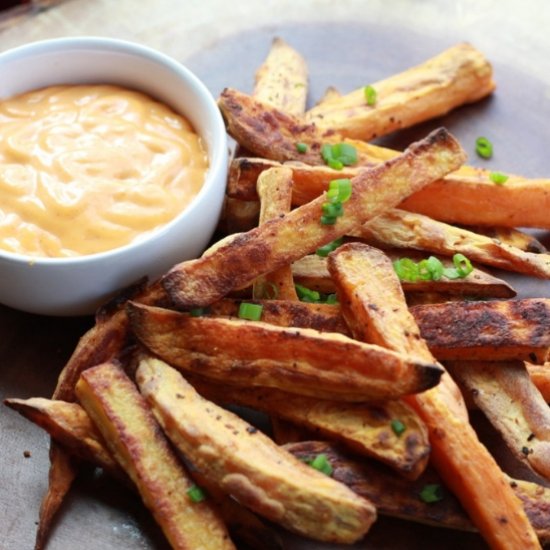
458	75
462	461
134	438
284	240
256	472
296	360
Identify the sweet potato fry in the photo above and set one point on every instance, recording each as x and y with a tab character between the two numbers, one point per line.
467	196
402	229
279	242
312	272
540	375
296	360
496	330
365	428
397	497
129	429
281	80
463	462
511	236
275	191
513	405
256	472
458	75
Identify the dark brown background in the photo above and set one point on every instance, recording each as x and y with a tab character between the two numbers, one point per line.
346	44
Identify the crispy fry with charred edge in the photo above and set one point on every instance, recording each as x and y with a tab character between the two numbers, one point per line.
362	427
397	497
311	271
275	191
127	425
379	313
458	75
514	406
511	236
70	426
284	240
297	360
491	331
402	229
514	329
281	80
540	375
256	472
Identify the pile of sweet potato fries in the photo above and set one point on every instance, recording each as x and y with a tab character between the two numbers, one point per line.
366	369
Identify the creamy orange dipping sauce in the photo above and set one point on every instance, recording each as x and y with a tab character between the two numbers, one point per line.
85	169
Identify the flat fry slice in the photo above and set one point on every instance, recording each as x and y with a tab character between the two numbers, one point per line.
255	471
463	462
284	240
458	75
397	497
281	80
491	331
365	428
312	272
507	396
275	192
129	429
398	228
296	360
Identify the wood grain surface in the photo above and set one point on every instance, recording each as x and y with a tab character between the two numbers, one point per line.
346	44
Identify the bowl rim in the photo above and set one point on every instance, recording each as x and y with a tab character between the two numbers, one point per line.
217	150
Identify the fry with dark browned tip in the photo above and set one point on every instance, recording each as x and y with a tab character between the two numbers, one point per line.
297	360
284	240
248	465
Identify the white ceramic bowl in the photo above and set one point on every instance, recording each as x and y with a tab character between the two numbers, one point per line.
75	286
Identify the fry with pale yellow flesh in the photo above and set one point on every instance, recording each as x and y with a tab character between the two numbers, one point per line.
133	436
311	271
513	405
275	191
297	360
398	228
397	497
104	341
457	76
511	236
492	331
362	427
379	312
284	240
467	196
248	465
540	375
281	80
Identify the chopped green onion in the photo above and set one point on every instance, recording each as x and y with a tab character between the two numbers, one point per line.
463	265
498	177
398	427
267	290
328	220
196	494
324	251
406	269
307	295
301	148
252	312
339	155
432	492
339	190
331	299
198	311
370	95
333	209
484	148
430	269
321	463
